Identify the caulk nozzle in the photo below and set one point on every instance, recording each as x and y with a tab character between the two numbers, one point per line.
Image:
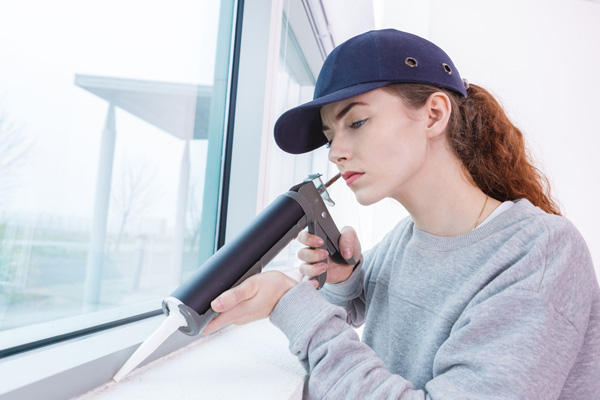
173	322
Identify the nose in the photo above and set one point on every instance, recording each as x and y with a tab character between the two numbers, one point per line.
339	150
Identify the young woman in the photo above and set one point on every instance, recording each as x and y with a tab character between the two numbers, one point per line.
483	292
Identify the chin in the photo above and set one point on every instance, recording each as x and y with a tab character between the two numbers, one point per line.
366	199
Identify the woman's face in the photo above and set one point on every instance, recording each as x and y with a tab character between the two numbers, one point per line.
377	143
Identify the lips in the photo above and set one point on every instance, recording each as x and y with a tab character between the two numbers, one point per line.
351	176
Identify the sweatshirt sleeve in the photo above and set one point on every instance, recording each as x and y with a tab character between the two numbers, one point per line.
349	295
524	353
331	351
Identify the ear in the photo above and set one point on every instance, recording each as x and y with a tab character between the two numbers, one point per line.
438	108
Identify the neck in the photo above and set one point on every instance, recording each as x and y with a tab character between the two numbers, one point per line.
442	201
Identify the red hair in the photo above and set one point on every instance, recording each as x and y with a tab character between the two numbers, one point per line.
491	148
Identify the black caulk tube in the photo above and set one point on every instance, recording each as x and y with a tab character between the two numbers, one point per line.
236	261
188	307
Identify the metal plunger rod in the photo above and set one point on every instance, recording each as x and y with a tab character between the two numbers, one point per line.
332	180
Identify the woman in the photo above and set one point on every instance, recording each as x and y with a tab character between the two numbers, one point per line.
484	291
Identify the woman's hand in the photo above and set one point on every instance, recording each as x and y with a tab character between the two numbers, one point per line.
336	273
253	299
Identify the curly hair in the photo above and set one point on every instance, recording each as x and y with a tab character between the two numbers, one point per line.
490	146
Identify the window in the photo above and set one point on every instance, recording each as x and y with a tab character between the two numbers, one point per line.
112	116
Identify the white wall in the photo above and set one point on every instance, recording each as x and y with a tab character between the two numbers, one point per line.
541	60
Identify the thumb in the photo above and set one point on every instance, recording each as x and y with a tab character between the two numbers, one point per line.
232	297
348	242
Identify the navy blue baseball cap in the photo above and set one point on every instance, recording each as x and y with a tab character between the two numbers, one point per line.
363	63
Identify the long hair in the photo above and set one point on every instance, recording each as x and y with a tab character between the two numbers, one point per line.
491	148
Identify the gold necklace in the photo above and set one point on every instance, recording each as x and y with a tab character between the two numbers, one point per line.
481	213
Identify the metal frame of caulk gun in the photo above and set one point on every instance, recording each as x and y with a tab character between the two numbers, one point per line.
269	233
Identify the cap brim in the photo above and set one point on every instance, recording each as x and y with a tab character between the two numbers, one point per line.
299	130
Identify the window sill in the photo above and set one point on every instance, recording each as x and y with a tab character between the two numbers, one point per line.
251	361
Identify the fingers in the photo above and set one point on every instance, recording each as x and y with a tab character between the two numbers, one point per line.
236	316
226	304
314	258
311	270
309	239
312	255
349	246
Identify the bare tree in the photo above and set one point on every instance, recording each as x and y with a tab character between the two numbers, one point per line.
134	191
14	146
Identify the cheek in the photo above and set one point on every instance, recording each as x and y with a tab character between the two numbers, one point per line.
404	146
402	157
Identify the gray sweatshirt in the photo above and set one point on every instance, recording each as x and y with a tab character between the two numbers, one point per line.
508	311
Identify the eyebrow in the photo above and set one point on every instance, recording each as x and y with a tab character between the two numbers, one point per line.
345	111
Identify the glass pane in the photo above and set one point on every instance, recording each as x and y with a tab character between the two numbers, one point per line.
111	125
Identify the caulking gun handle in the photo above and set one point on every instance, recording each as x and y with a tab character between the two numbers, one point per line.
316	229
331	236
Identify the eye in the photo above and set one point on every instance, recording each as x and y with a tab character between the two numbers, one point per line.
328	145
358	124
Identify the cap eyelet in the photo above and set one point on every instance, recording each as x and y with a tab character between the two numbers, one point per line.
411	62
447	68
